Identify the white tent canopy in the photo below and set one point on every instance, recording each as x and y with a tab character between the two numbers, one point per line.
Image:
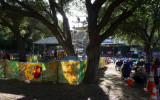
49	40
112	42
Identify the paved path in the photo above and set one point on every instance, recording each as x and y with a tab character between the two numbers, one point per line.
115	88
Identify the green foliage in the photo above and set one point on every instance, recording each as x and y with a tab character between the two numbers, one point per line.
1	35
16	22
39	30
125	6
128	31
129	38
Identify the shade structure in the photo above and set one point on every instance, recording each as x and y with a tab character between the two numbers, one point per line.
110	42
49	40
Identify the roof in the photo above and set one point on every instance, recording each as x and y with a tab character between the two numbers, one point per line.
80	28
112	42
49	40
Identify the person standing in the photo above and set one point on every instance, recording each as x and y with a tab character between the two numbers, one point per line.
102	54
55	54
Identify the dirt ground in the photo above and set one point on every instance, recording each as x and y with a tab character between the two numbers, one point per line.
109	87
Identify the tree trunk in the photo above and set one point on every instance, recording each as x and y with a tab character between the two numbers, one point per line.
66	44
21	48
69	49
93	54
148	51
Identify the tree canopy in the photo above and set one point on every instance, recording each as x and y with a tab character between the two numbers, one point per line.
142	27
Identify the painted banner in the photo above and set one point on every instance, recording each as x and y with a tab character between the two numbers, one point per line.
30	71
11	69
60	54
32	58
2	68
81	71
61	71
101	62
66	72
49	71
71	71
13	56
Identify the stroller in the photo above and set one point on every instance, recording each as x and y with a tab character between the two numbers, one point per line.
126	69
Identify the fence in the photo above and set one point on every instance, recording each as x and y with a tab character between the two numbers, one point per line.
55	71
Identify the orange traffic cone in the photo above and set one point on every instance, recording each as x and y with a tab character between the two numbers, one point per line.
130	80
150	82
154	93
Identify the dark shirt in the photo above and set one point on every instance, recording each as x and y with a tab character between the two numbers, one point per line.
148	66
140	63
55	54
131	63
154	66
119	63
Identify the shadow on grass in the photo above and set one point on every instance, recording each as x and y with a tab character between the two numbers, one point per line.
49	91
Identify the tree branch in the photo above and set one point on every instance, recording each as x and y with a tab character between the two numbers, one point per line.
5	23
144	34
116	23
88	3
65	22
55	19
45	10
141	35
62	33
30	13
153	31
97	5
155	43
146	26
13	28
108	13
29	33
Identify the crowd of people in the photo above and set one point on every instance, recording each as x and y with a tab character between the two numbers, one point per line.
140	68
54	55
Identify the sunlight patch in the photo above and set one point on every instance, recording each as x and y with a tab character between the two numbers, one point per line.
114	93
7	96
106	82
89	98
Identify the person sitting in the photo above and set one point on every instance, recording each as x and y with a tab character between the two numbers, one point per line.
155	66
84	57
118	64
139	64
147	67
140	76
131	62
126	69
